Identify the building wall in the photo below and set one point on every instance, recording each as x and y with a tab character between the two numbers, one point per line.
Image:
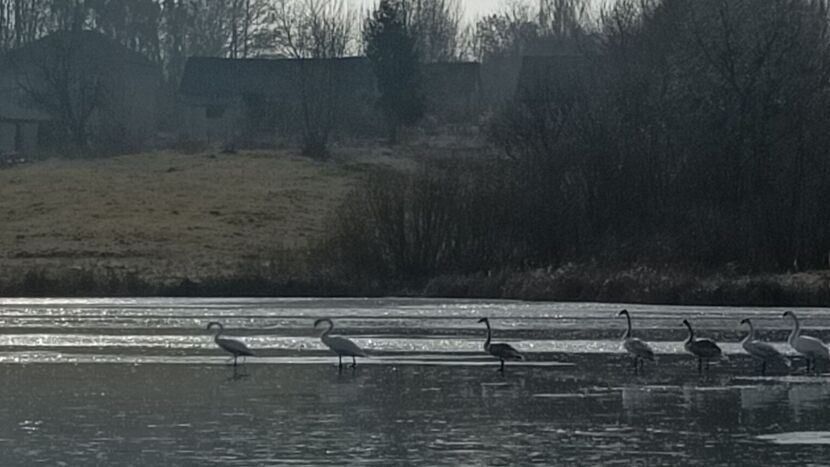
29	133
341	90
7	137
18	137
126	120
218	124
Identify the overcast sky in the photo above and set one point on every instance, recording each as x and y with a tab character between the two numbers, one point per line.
473	8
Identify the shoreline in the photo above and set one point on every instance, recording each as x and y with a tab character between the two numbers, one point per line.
569	283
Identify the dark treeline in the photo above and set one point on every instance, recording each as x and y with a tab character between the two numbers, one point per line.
691	133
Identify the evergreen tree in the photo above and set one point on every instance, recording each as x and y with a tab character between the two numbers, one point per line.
394	57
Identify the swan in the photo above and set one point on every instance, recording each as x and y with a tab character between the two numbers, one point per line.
340	345
703	349
811	348
761	351
232	346
636	347
501	351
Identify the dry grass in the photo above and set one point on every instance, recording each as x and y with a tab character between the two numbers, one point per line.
164	214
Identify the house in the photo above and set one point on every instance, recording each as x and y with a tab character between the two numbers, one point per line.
74	86
19	128
225	100
553	77
259	100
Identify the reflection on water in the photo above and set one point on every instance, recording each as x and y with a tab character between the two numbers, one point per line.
763	396
139	382
805	398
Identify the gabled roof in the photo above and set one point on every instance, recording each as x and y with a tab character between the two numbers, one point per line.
14	111
226	77
90	44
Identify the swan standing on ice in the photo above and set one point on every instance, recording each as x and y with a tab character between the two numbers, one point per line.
811	348
637	348
703	349
340	345
501	351
761	351
232	346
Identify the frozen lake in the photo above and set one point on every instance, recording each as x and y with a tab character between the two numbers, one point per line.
140	382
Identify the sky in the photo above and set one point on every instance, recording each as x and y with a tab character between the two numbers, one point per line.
476	8
473	8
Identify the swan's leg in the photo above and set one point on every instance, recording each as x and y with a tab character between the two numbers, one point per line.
699	366
340	361
354	362
501	368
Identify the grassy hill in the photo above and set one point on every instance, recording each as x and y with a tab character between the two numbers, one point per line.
154	222
166	215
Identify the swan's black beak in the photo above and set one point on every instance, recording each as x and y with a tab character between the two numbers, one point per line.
482	320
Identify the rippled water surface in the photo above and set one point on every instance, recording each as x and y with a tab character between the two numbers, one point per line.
140	382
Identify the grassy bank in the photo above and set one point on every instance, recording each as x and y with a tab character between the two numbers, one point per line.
212	224
569	283
165	216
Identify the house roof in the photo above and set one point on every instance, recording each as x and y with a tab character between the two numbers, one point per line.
225	77
87	49
16	112
90	43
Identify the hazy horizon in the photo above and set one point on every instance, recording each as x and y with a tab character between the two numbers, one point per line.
472	8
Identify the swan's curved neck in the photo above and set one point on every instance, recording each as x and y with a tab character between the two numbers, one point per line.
751	334
328	330
796	329
219	330
487	342
628	330
691	333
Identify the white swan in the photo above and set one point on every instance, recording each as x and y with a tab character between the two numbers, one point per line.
811	348
232	346
761	351
340	345
637	348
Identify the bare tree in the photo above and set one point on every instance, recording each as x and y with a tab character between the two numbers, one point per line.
59	78
315	33
22	21
247	24
436	26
